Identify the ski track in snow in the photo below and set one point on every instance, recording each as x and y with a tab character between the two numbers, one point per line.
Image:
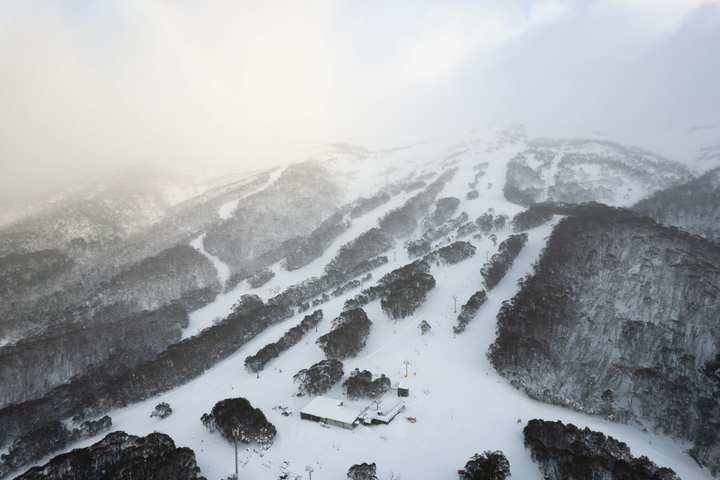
462	405
223	271
228	209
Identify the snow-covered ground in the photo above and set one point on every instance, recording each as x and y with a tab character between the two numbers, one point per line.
461	404
228	209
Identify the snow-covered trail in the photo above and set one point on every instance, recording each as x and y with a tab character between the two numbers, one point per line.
228	209
223	271
462	405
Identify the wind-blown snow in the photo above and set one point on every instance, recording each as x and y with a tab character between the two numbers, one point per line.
227	210
461	404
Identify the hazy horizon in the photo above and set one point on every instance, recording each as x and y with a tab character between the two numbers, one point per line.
91	88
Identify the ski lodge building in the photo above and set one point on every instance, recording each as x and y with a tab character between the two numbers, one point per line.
331	411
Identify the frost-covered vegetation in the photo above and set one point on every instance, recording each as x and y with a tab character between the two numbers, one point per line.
469	310
319	377
487	466
361	384
499	264
257	362
237	420
348	335
565	452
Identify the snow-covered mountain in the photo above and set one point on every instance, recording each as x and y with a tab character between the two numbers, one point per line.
420	239
588	170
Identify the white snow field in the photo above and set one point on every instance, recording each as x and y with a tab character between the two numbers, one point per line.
461	404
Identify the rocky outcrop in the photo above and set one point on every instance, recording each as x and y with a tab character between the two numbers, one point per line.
692	206
257	362
49	438
120	456
99	391
348	335
619	319
32	367
469	310
319	378
582	170
564	452
499	264
360	384
487	466
237	420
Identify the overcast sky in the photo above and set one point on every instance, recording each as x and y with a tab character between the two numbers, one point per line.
87	87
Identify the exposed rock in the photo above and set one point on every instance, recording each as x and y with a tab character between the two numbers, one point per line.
257	362
472	195
348	335
691	206
469	310
499	264
319	378
360	384
120	456
488	466
564	452
362	471
162	411
619	319
237	420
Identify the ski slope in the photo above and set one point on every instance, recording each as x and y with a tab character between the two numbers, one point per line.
461	404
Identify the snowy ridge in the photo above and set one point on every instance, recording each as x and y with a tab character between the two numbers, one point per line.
228	209
461	404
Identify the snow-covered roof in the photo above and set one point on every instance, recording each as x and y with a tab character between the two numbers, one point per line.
326	407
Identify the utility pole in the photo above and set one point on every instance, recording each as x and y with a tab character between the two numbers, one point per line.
236	436
407	364
454	303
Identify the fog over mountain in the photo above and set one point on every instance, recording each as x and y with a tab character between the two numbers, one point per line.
280	240
88	88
